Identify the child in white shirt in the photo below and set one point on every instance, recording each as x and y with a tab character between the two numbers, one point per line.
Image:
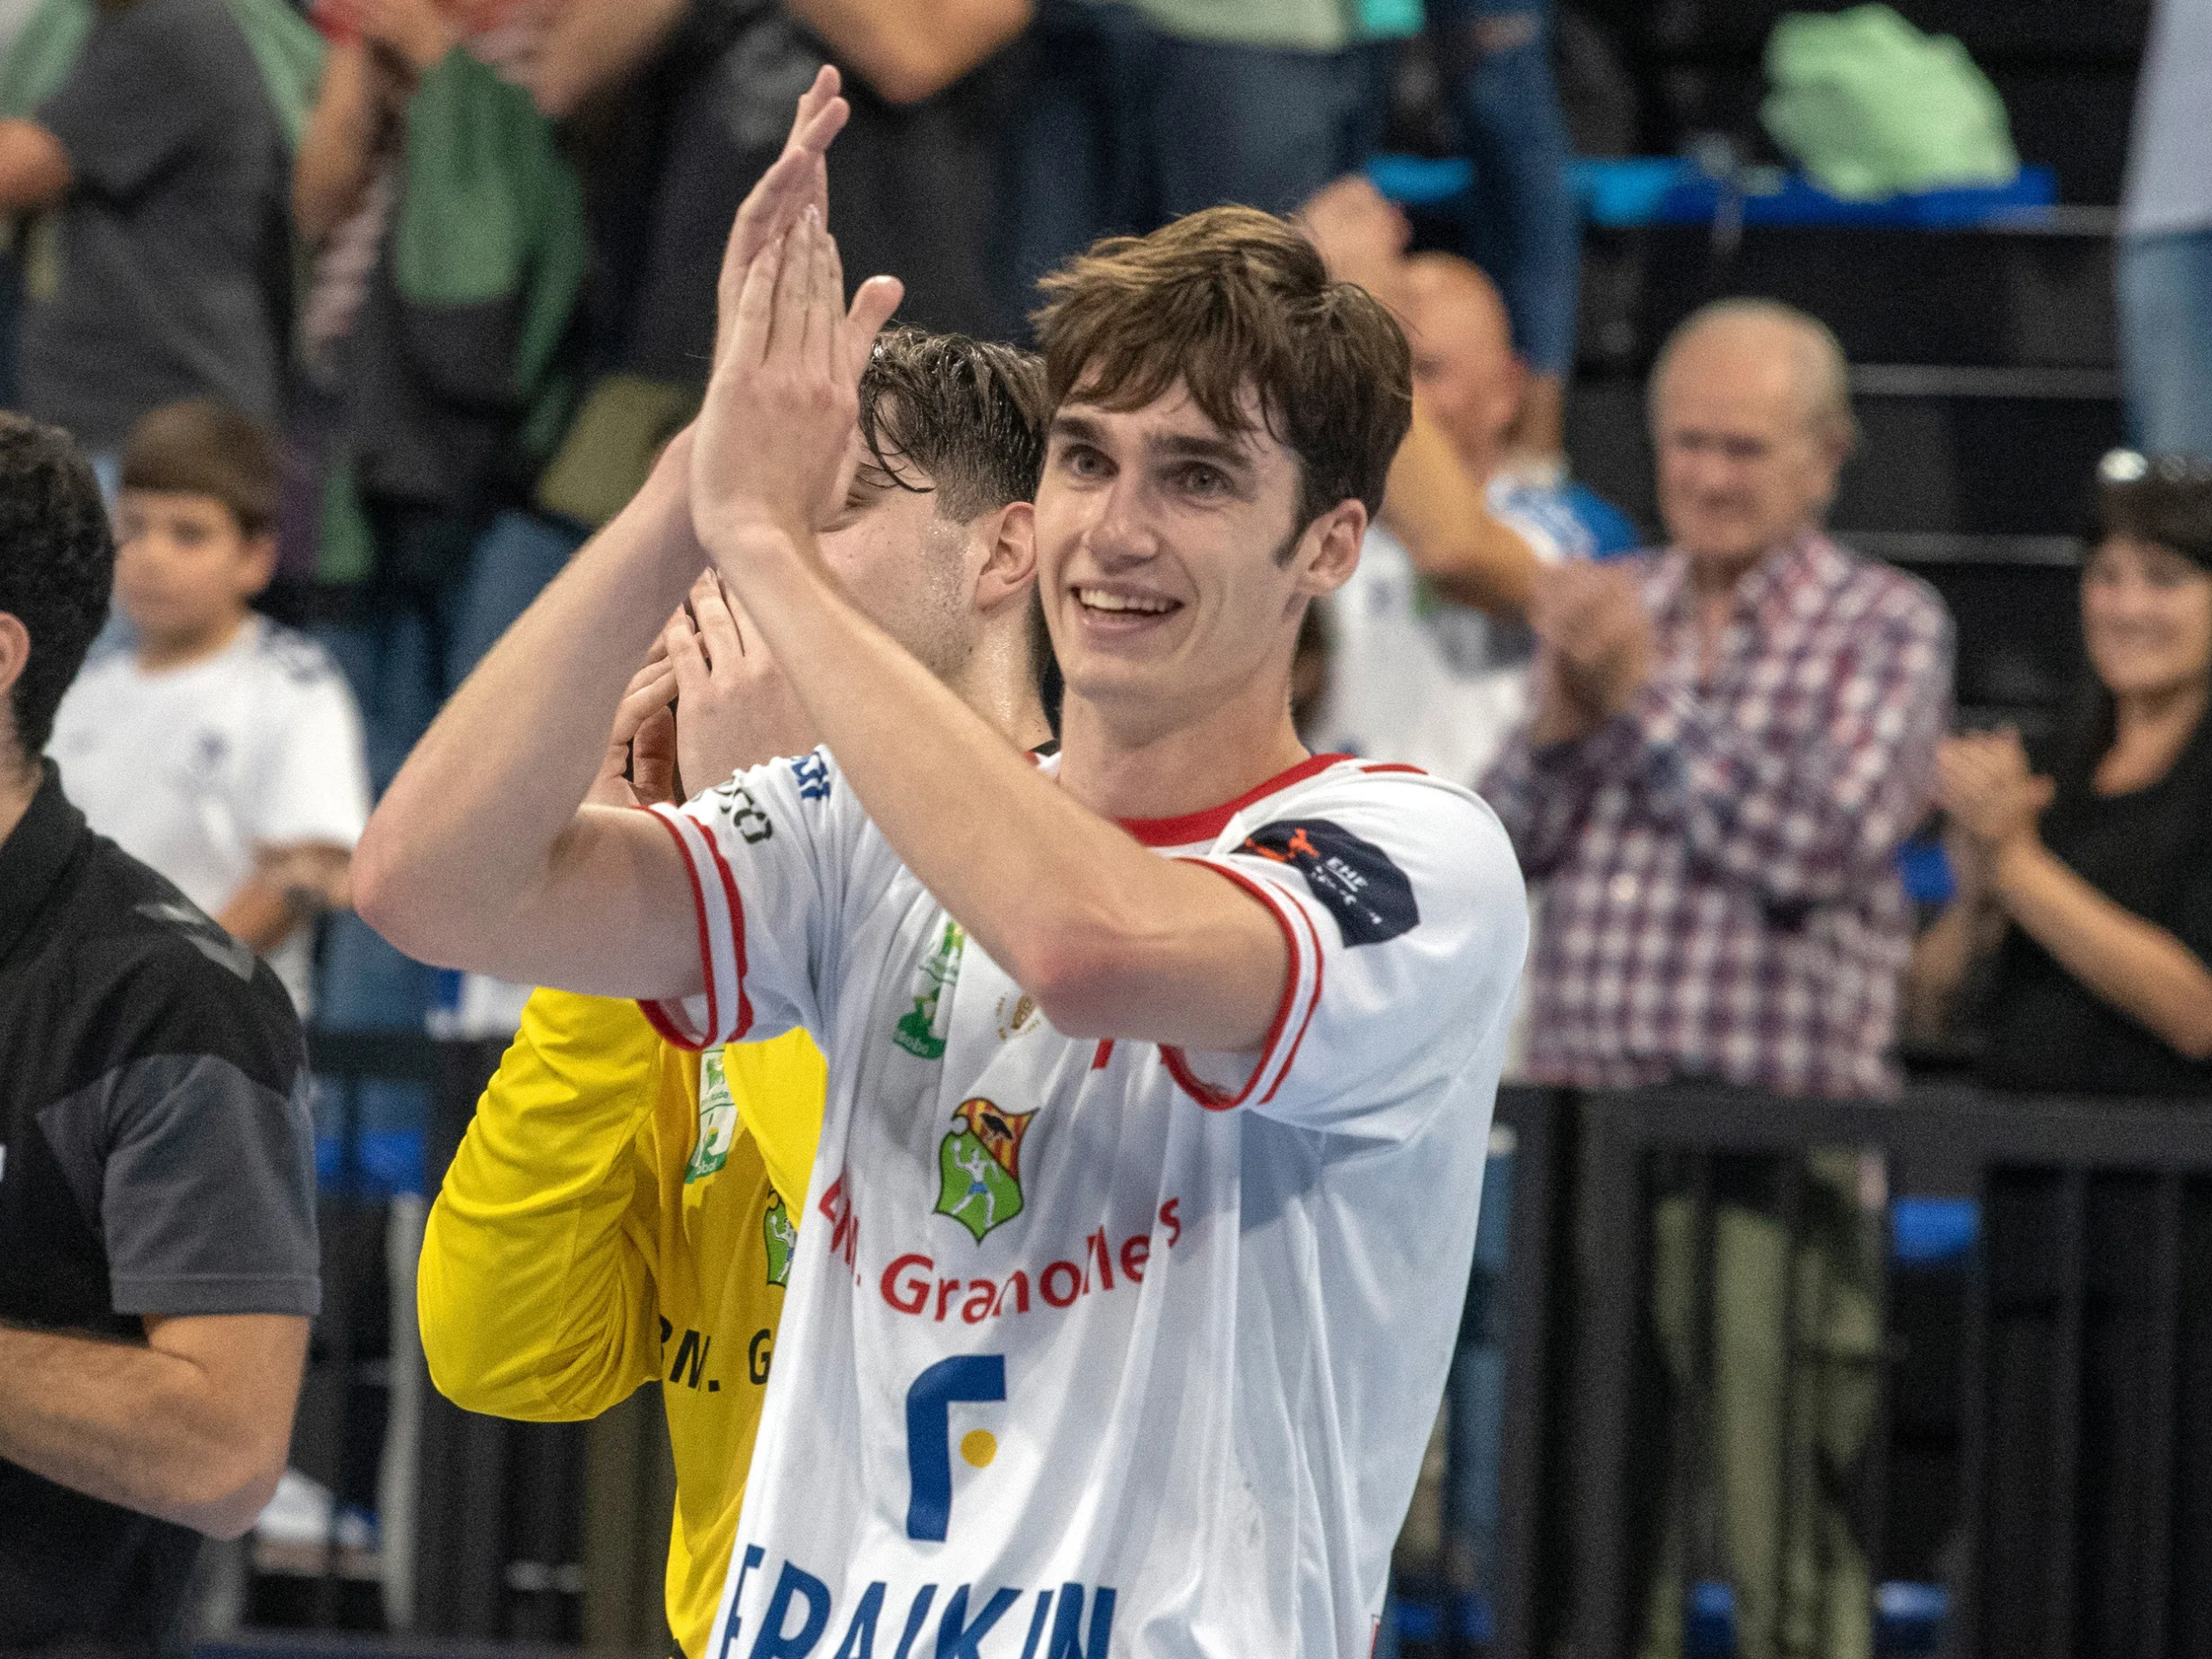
222	749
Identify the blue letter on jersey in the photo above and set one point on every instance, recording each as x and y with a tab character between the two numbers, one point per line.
1369	896
973	1376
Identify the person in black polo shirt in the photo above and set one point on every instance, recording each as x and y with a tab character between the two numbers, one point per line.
158	1262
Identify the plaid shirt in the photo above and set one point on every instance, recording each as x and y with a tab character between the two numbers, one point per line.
1722	896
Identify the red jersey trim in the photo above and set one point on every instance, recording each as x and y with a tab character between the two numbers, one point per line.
1397	766
1320	961
1218	1100
1192	827
737	936
657	1012
666	1017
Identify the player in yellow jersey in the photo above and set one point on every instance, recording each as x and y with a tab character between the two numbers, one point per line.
620	1211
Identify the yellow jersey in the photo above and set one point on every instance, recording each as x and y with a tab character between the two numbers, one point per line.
620	1212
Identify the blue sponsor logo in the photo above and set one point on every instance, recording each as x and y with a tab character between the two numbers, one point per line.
801	1612
813	775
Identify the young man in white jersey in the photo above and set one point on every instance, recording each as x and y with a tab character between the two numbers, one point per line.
1142	1206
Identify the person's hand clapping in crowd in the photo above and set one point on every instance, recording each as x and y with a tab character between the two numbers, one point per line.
1992	798
1595	648
1361	236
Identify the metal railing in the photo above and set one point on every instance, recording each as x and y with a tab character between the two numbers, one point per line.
2077	1501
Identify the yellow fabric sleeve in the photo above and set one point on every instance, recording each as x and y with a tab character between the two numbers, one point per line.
602	1226
536	1291
781	1087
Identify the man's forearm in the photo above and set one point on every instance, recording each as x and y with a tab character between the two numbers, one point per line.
468	831
1112	940
1443	518
132	1425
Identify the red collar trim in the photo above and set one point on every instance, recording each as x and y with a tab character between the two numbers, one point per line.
1194	827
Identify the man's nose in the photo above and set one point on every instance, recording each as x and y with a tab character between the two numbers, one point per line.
1122	533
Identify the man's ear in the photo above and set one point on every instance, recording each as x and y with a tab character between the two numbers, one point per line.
1330	548
1009	571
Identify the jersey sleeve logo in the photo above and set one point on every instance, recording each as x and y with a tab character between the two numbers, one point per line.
1369	894
979	1166
813	775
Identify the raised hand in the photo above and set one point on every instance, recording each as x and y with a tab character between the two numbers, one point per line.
735	707
640	765
1985	784
798	180
769	443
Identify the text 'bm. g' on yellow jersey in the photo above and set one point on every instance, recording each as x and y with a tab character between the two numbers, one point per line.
606	1223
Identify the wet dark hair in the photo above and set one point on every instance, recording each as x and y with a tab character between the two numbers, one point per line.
57	566
968	413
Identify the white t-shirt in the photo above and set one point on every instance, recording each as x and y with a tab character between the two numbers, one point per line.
1417	678
192	769
1098	1341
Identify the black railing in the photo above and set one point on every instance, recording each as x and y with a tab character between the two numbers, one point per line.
2071	1514
2001	1441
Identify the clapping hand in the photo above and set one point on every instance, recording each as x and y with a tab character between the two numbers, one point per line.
1595	648
770	440
1361	236
708	702
639	769
736	706
1985	787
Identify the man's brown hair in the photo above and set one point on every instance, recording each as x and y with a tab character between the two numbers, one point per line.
203	448
970	413
1231	301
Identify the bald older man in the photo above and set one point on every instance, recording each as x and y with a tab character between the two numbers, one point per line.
1730	739
1430	651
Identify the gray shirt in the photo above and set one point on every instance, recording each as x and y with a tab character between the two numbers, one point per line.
2169	181
173	251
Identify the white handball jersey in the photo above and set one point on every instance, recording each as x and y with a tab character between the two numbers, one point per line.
1099	1348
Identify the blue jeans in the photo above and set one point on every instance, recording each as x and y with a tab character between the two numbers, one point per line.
2165	340
1495	56
1123	128
403	662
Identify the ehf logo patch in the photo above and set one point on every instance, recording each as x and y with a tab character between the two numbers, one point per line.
979	1166
1370	896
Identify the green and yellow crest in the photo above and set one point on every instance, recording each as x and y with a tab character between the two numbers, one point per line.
782	1238
979	1166
718	1120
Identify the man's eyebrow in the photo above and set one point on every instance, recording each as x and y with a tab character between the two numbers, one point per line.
1217	447
1076	429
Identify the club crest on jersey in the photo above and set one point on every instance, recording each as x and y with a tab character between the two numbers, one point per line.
782	1238
979	1163
718	1120
921	1029
1369	895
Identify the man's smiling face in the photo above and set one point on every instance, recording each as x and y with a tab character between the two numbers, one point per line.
1170	553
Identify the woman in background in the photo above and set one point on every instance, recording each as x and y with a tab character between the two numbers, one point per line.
2087	894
